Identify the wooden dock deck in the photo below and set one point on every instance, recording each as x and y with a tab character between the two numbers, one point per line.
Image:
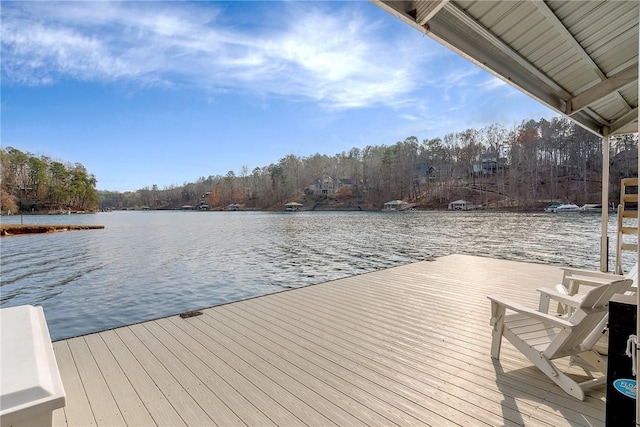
403	346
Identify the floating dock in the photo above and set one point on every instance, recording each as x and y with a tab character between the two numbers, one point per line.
407	345
13	229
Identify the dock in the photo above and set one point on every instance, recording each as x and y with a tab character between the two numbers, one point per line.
403	346
14	229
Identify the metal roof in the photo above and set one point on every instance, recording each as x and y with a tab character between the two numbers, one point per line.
580	58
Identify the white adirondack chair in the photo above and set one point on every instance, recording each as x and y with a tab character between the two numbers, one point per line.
542	337
573	285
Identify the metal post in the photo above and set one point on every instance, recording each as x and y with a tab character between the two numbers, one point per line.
638	260
604	249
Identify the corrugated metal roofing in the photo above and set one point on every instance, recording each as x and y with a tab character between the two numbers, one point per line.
580	58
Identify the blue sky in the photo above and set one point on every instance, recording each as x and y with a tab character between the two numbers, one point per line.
146	92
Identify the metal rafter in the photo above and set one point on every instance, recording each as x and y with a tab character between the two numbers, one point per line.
602	89
564	32
622	122
481	30
595	106
425	10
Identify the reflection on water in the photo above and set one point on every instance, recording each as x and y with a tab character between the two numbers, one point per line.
145	265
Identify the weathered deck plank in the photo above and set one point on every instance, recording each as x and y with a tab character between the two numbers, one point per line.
335	382
81	415
402	375
192	382
103	405
404	346
156	403
271	374
272	413
124	394
176	395
352	375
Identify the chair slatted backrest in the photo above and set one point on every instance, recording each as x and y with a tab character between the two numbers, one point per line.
588	319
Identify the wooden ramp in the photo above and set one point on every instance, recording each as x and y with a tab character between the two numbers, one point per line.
404	346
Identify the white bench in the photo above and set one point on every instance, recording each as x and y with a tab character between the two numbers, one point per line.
30	384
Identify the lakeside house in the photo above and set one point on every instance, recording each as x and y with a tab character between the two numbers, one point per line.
322	186
328	186
490	164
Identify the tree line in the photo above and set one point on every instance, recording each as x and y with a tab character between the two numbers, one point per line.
527	166
37	184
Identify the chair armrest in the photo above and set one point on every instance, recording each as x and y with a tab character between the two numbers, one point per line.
590	274
586	272
573	278
554	294
591	280
519	308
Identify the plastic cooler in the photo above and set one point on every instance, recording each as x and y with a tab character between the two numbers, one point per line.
30	384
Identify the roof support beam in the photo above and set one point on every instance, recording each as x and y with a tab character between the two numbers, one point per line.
602	89
602	101
427	9
399	10
562	30
622	122
495	41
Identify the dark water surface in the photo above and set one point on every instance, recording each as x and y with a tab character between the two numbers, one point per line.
146	265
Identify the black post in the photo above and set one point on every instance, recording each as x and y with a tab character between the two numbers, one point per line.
621	383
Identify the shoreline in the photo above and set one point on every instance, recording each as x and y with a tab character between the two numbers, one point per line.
18	229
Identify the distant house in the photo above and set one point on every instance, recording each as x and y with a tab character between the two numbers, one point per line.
423	174
460	205
441	171
325	186
490	164
234	207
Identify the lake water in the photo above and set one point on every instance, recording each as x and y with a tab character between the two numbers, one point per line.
146	265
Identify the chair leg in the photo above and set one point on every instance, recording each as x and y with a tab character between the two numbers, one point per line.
569	385
543	305
560	378
497	321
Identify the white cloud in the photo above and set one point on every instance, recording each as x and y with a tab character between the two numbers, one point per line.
410	117
492	83
334	55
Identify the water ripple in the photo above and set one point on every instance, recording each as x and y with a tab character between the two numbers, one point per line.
145	265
